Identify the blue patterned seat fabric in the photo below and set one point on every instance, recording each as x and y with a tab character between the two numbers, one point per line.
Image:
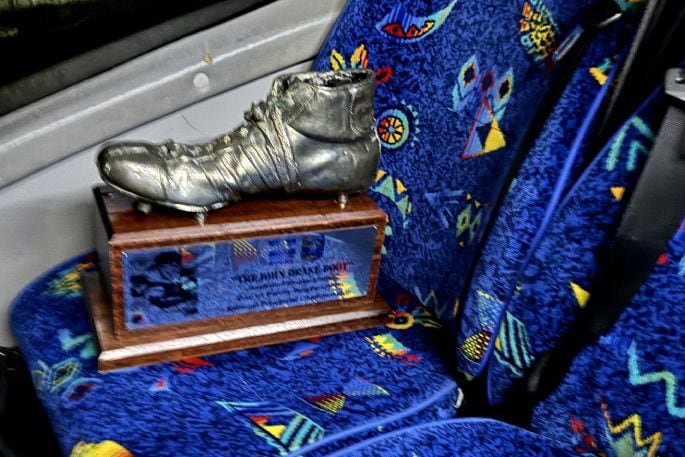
625	395
549	169
268	401
459	437
458	84
556	281
455	97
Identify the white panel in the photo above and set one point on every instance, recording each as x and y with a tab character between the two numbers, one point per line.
162	81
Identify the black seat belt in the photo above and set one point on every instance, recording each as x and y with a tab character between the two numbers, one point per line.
655	209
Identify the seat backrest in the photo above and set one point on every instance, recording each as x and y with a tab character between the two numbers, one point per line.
624	395
459	83
548	171
556	282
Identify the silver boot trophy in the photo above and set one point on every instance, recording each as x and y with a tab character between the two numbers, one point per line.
315	133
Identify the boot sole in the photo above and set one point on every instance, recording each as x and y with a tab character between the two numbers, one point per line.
191	209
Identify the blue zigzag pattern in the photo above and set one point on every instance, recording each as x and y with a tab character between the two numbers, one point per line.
638	379
513	350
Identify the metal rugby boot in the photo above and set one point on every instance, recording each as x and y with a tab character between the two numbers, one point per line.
315	133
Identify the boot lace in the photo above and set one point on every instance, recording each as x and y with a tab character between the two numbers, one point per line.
258	112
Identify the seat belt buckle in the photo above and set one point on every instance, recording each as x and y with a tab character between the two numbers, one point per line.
596	16
601	14
674	87
674	83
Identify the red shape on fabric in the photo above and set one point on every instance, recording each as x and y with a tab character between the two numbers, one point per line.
402	299
260	420
186	257
190	364
383	75
577	425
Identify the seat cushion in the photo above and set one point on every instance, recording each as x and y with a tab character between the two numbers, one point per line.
458	437
306	395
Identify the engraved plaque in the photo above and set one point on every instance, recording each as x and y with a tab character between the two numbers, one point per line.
184	283
259	272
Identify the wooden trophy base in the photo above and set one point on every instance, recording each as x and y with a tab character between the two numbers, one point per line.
260	272
246	333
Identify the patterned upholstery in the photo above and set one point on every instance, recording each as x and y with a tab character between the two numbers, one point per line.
458	84
556	280
548	170
267	401
624	395
459	437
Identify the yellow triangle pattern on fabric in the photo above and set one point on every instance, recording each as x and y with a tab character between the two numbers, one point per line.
474	346
618	192
400	186
103	449
274	430
333	404
598	75
495	139
582	295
